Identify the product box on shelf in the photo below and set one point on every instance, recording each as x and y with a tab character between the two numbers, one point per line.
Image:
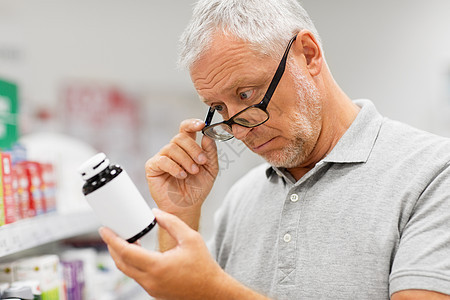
49	186
36	200
7	272
74	274
15	192
2	206
7	193
74	279
87	279
27	189
44	269
23	187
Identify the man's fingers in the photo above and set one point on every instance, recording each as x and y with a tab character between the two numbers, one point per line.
158	165
127	269
109	236
177	229
191	127
129	258
210	148
182	155
191	148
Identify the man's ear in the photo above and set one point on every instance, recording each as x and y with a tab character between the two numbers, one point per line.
307	45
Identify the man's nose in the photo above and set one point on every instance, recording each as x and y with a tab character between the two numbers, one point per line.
240	132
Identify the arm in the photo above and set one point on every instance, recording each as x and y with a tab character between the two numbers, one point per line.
181	175
420	267
187	271
419	295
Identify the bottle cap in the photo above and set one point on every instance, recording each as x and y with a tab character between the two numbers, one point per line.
93	166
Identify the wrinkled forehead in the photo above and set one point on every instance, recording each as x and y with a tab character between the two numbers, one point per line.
221	50
227	62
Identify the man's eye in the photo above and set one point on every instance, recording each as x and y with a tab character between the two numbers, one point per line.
218	108
221	109
246	95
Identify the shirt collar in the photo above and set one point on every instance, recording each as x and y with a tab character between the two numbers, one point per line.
357	142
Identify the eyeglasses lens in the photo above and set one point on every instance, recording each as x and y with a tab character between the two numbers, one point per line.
221	132
250	117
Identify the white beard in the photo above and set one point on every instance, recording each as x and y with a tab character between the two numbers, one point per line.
305	124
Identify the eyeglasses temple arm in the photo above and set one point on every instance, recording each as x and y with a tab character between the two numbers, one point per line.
209	116
278	74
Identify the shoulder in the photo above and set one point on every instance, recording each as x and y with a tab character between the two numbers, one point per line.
401	143
406	136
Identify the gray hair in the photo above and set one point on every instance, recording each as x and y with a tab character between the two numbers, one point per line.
266	25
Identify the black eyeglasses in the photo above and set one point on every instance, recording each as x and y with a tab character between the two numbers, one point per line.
251	116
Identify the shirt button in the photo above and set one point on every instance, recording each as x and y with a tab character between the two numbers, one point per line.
294	197
287	237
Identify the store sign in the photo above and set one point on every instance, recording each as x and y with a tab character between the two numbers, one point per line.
8	114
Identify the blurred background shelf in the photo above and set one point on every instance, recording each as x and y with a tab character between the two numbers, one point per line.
29	233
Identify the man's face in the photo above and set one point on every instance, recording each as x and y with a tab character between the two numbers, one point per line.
230	77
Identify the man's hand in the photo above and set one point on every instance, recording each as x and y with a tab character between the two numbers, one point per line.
187	271
182	173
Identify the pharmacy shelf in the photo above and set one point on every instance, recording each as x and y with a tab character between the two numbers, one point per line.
29	233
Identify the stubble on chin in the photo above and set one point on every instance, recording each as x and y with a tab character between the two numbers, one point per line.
288	157
295	152
297	148
304	128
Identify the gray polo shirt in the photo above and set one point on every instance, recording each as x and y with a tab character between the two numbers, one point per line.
370	219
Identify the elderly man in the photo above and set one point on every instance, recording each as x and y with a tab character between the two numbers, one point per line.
350	205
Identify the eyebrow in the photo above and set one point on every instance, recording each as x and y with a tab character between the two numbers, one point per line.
232	87
238	83
205	101
202	99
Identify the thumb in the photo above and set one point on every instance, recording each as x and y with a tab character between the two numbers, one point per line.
209	145
172	224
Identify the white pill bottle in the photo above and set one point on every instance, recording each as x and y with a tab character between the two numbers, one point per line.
115	199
